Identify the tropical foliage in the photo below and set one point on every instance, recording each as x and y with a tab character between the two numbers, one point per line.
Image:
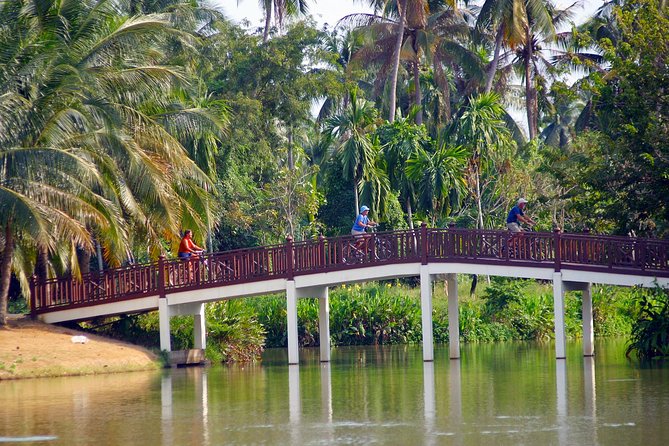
122	123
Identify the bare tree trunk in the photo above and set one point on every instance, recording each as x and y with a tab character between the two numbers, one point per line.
396	60
6	273
529	87
291	161
355	194
417	93
409	213
478	199
84	258
42	264
268	20
98	251
492	70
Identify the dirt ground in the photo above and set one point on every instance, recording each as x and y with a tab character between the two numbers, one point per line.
30	349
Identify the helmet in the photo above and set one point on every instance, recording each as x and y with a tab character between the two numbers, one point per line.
522	200
363	209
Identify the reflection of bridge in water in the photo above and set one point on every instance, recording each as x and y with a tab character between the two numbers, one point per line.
309	268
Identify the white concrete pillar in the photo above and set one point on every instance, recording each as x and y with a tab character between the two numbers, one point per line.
199	329
588	327
453	317
164	324
558	310
426	313
291	311
324	325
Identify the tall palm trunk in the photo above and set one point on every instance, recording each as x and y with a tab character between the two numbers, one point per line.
529	86
42	264
355	194
409	213
492	70
268	20
5	273
417	93
396	60
478	198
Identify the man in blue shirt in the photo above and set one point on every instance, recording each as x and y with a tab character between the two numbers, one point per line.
361	223
517	215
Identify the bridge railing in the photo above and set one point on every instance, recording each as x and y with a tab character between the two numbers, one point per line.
594	252
238	266
127	282
345	252
537	249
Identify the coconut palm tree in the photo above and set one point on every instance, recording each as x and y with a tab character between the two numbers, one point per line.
439	175
480	129
92	132
351	132
281	10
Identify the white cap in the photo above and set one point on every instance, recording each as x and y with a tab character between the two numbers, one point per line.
522	200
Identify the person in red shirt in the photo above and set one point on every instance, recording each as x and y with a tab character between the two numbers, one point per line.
188	248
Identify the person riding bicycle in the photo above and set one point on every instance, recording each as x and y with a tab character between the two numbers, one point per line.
187	247
361	223
517	214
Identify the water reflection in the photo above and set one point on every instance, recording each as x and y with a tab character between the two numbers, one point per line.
506	395
561	385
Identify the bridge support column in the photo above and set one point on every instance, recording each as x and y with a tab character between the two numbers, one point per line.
453	317
164	324
199	330
558	310
324	325
588	326
426	312
291	314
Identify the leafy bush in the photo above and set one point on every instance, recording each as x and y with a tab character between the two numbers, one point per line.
650	332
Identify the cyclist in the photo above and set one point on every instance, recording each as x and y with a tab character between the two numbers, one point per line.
187	247
513	220
361	223
516	215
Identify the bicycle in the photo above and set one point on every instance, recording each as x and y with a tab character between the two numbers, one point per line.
357	249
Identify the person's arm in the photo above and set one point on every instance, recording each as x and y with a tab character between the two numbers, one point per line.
526	219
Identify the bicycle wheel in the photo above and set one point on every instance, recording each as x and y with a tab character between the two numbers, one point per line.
384	249
352	255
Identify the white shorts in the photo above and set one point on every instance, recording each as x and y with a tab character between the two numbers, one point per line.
354	232
514	227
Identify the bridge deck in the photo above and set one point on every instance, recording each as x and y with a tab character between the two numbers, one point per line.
604	257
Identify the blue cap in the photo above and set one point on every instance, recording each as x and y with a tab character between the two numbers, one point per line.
363	209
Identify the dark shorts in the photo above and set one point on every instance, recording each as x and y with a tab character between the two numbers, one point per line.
185	255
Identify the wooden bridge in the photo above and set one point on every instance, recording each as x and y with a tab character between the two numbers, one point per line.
309	268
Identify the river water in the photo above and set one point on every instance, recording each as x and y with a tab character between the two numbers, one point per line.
502	394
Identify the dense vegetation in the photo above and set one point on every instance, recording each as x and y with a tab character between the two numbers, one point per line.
124	122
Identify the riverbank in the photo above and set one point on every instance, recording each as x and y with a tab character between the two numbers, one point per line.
31	349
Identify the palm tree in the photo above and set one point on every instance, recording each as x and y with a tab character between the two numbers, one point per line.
351	133
519	24
481	129
439	175
92	132
281	9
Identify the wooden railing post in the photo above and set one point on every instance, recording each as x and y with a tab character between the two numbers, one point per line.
641	253
161	276
33	297
289	257
558	249
423	243
321	251
450	241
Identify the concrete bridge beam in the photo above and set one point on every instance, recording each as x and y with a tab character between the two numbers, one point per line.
324	325
426	312
588	326
558	310
291	315
453	317
164	324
